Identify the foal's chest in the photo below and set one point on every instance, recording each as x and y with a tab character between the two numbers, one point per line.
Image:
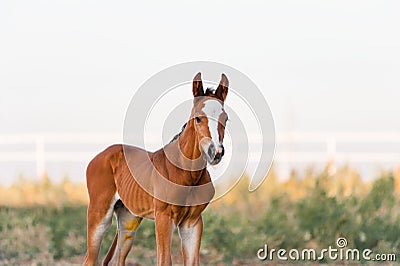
185	214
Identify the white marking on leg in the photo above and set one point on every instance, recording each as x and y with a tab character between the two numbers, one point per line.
188	238
105	223
127	224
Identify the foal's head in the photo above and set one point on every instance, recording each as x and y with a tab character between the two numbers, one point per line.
209	118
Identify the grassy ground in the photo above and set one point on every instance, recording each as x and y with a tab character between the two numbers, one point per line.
235	228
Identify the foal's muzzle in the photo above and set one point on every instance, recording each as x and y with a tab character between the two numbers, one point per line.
214	154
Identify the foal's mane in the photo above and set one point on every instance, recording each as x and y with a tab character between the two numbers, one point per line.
210	91
177	135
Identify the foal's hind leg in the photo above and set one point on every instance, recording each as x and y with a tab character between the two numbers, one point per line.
99	219
127	225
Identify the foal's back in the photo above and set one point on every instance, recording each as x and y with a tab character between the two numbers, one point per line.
109	178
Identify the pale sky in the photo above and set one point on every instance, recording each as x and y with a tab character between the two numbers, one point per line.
73	66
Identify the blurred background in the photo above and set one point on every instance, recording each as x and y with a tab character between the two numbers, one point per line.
329	72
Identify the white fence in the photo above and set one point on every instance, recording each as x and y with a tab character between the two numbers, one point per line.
34	147
40	155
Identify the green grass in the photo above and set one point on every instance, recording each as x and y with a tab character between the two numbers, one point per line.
232	233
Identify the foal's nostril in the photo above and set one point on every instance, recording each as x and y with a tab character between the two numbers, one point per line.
218	156
223	150
211	151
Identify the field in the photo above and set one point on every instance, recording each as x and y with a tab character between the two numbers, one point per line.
45	224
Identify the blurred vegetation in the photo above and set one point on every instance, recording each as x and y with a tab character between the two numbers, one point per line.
45	223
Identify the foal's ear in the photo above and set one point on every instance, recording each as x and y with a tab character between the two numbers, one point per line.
198	86
222	89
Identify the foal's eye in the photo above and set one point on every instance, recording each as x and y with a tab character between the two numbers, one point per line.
198	119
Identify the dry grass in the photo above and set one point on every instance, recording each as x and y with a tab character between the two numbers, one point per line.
344	183
43	192
44	223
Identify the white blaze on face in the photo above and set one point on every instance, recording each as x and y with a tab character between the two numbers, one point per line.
213	109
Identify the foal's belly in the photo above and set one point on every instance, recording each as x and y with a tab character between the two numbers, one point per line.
138	202
133	196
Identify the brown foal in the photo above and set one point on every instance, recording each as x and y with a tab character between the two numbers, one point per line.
114	187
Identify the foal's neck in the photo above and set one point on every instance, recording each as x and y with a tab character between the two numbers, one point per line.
185	149
188	143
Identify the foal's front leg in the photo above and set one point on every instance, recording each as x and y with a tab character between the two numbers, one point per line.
164	228
190	235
